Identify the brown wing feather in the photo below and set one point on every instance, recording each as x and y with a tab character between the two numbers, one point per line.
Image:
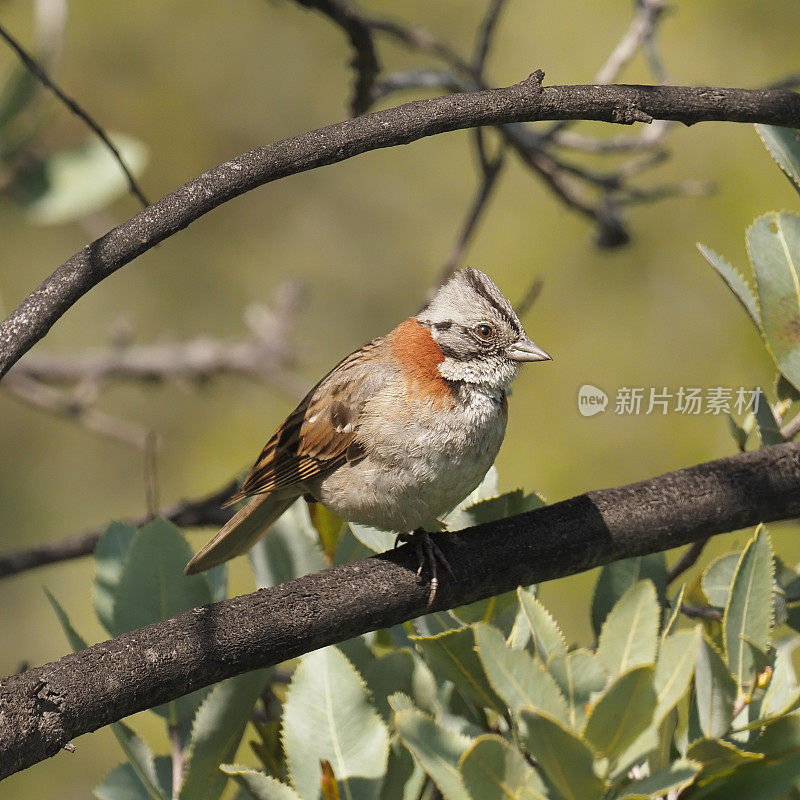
320	434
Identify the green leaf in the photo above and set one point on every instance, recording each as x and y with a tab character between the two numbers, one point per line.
547	636
216	732
17	92
499	610
769	429
109	557
715	692
783	693
452	655
392	672
75	640
564	758
672	619
579	675
494	508
141	761
377	541
748	614
404	776
622	712
773	242
717	579
486	489
516	677
494	770
736	283
84	179
139	755
258	785
630	633
784	146
327	716
677	775
616	578
122	783
718	757
152	587
436	749
674	669
289	549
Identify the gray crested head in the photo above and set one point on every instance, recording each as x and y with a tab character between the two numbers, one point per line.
479	333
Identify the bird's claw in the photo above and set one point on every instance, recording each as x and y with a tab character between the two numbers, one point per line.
428	555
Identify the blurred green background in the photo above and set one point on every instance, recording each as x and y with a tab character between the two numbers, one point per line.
201	82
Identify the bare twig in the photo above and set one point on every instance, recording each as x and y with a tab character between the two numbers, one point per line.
72	407
700	612
687	560
45	707
791	428
205	511
484	38
526	101
530	297
30	62
365	61
490	170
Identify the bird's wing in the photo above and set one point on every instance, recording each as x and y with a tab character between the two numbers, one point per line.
320	434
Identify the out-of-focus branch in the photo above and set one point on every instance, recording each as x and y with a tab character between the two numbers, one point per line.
36	69
267	353
201	512
365	61
73	407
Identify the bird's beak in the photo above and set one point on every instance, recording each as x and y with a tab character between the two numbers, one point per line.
526	350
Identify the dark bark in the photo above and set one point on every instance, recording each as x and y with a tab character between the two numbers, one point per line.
43	709
526	101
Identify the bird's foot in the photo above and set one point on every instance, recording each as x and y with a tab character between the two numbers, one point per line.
428	555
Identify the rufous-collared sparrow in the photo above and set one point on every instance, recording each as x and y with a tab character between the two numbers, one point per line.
400	431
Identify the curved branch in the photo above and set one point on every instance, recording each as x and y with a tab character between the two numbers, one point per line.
526	101
42	709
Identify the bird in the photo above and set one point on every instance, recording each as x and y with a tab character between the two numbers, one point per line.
399	432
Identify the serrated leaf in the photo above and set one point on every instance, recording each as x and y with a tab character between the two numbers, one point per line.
109	557
452	655
676	776
259	785
516	677
494	508
486	489
782	693
736	282
564	757
622	712
289	549
672	619
769	429
618	577
674	669
84	179
373	539
327	716
773	242
630	633
75	640
578	675
784	146
216	732
715	692
392	672
494	770
436	623
436	749
329	528
717	579
719	757
748	614
500	610
547	636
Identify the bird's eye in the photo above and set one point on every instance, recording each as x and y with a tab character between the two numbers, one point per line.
484	331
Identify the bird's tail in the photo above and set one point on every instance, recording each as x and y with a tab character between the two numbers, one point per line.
241	532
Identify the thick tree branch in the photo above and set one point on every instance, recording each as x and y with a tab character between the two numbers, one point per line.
526	101
44	708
